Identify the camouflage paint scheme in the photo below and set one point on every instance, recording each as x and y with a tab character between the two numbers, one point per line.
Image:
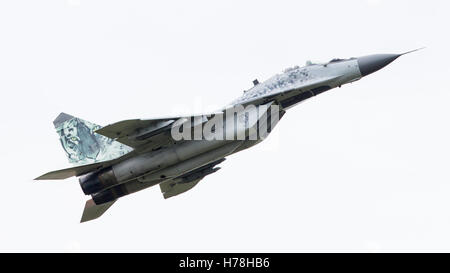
178	166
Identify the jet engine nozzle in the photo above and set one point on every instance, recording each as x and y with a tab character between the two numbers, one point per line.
109	194
97	181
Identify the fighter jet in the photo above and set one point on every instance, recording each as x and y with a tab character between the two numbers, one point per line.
177	152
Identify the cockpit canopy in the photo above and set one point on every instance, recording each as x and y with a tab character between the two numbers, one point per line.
336	60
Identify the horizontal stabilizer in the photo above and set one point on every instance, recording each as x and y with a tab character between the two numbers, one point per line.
74	171
93	211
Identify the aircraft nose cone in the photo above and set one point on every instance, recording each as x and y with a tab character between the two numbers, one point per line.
371	63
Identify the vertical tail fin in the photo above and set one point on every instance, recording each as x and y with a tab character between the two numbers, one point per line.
93	211
82	145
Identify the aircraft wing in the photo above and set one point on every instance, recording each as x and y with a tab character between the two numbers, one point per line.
137	132
131	132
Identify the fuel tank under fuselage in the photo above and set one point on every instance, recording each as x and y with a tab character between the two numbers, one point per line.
159	176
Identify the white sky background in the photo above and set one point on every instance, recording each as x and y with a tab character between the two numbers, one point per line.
361	168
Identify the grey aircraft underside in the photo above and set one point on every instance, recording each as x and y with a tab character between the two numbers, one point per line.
131	155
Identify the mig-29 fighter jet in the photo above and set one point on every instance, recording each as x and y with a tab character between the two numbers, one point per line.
177	152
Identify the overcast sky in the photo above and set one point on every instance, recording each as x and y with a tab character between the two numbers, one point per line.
361	168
